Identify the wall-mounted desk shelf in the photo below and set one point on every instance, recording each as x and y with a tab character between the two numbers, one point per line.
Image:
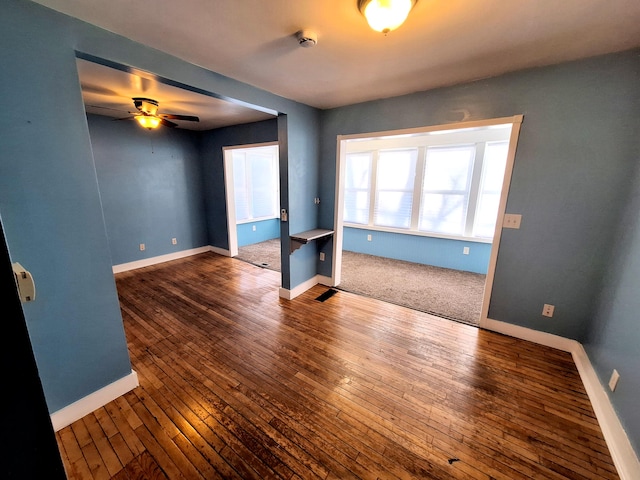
303	238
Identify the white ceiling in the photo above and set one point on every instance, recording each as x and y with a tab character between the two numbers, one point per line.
110	92
443	42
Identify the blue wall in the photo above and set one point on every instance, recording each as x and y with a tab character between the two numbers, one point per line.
439	252
264	230
572	178
151	188
50	200
211	147
615	335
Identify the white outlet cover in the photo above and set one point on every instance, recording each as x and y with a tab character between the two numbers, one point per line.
613	381
512	220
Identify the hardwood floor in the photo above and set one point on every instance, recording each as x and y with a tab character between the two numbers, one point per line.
237	383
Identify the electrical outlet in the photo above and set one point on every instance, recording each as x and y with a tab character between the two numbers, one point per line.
142	247
253	228
322	256
512	220
174	241
465	251
613	381
368	238
547	310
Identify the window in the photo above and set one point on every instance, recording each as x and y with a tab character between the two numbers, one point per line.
396	170
445	189
438	183
255	182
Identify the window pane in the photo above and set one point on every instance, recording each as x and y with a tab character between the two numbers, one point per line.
394	193
357	187
263	191
255	180
393	209
443	213
356	206
396	169
240	186
445	189
495	161
448	168
358	170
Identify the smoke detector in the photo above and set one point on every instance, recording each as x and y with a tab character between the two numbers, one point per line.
307	38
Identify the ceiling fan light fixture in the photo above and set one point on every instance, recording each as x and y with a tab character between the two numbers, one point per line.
385	15
148	121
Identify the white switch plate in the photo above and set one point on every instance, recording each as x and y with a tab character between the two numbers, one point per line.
613	381
512	220
174	241
322	256
368	238
465	251
547	310
142	247
253	228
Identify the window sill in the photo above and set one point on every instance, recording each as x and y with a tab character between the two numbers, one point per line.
418	233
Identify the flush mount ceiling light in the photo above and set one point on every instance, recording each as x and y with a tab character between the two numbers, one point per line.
385	15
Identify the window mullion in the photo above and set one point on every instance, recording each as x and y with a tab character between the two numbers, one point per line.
417	188
474	190
374	182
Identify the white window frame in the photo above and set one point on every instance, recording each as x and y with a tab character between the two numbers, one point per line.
478	138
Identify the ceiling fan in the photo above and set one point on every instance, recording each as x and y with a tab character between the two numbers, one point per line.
148	116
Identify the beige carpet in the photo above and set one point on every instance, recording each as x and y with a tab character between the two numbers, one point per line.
443	292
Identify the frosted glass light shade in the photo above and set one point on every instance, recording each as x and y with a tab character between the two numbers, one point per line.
147	121
385	15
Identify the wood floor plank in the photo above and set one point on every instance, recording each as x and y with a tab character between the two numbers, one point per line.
237	383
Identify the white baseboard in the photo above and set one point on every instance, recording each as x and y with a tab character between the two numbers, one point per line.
220	251
324	280
75	411
300	289
535	336
624	457
123	267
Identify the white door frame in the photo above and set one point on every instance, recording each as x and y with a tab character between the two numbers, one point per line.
516	122
232	231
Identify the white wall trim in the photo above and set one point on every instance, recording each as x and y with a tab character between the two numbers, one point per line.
75	411
324	280
300	289
535	336
220	251
123	267
624	457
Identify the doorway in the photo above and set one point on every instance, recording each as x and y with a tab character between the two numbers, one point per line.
427	196
252	184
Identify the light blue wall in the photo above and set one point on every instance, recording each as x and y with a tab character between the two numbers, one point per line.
439	252
49	197
573	175
264	230
151	188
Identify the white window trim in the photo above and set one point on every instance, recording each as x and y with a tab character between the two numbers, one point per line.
481	138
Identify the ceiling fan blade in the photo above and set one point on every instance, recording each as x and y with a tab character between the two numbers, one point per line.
186	118
167	123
